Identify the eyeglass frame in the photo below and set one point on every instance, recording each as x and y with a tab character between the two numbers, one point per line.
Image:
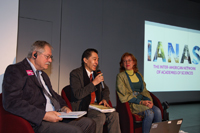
124	61
46	56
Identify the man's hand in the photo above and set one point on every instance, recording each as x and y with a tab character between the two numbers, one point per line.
65	109
52	116
99	78
104	102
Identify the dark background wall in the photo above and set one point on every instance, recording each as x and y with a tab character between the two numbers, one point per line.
113	27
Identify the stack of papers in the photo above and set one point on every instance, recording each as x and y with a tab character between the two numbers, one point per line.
74	114
101	108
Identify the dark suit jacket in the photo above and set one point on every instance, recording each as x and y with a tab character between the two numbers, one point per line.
81	93
22	93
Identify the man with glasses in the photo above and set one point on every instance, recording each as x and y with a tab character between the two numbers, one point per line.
27	92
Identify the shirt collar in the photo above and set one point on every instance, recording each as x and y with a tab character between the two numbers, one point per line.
88	72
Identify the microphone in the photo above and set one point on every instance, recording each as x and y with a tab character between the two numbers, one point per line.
98	72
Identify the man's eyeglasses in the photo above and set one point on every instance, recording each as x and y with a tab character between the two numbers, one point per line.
47	56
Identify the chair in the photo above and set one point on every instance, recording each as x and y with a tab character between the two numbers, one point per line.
66	95
130	123
10	123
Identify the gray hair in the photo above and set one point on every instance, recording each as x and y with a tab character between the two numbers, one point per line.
38	46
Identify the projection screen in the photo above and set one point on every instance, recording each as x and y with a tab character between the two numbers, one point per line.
171	58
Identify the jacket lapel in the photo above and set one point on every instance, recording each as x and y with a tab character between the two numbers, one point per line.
31	76
86	100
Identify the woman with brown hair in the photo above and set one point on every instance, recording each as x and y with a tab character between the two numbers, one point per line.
132	88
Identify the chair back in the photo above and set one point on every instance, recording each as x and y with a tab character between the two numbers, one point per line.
125	116
157	102
66	95
10	123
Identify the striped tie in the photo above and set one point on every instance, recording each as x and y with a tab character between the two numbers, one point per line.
54	102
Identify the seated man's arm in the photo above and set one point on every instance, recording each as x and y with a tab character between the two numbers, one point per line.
17	98
78	89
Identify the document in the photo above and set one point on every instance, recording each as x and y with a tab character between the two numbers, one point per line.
74	114
101	108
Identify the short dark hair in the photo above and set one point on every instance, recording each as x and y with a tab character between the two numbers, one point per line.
87	53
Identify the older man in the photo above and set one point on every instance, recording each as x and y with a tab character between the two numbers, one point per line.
27	92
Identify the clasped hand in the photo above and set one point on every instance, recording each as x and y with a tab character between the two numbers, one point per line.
148	103
53	116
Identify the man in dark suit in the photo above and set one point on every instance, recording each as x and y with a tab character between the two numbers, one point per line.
87	87
27	92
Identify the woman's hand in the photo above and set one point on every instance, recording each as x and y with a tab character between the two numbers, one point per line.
147	103
150	104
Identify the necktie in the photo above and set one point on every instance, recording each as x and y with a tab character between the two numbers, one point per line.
55	103
93	95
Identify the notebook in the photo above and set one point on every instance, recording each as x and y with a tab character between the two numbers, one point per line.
172	126
101	108
73	114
